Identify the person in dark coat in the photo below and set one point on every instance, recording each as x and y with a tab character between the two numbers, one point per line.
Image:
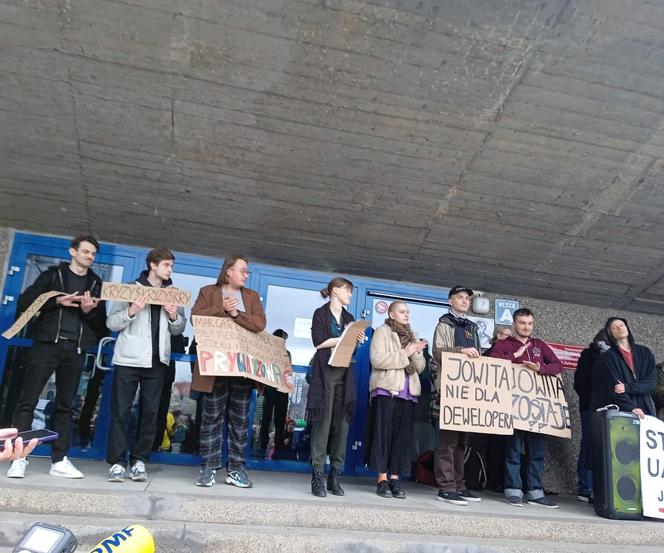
332	390
583	385
626	374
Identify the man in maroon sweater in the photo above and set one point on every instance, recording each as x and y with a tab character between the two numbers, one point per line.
537	356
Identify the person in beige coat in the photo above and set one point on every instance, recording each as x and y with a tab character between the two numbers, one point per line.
396	364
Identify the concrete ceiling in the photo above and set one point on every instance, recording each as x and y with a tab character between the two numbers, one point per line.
514	146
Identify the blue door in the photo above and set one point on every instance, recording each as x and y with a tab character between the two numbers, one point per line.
30	256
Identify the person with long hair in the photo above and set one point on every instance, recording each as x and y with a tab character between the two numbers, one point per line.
332	390
396	363
626	374
226	398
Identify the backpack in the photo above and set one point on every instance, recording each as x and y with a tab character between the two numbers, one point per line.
424	473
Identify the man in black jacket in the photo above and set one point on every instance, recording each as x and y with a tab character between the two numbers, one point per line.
65	326
583	385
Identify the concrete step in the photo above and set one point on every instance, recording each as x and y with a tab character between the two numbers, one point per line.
279	514
178	537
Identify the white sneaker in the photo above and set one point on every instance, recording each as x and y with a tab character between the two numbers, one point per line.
65	469
17	469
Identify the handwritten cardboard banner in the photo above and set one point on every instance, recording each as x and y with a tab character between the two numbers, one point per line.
114	291
538	403
30	312
343	351
227	349
652	466
492	396
476	394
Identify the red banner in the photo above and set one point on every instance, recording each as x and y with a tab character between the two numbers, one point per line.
568	355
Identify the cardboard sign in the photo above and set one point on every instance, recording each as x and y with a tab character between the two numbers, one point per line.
538	403
475	394
343	351
227	349
30	312
652	466
114	291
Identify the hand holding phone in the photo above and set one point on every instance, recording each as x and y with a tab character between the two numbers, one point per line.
15	446
11	437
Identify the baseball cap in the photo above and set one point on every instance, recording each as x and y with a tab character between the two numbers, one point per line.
458	289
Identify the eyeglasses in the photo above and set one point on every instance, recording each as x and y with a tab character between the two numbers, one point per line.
242	271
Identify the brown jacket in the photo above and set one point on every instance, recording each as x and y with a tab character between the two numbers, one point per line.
210	303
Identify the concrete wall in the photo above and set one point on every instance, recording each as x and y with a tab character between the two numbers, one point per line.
6	238
555	322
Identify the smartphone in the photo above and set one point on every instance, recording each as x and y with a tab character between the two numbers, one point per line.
42	435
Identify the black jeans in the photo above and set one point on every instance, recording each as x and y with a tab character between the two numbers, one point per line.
125	382
277	401
41	361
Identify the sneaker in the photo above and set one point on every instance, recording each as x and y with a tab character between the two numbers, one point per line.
17	469
514	501
238	478
396	489
383	489
65	469
116	473
206	478
585	497
138	472
544	501
451	497
469	496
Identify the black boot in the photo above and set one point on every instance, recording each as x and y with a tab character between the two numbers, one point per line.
317	487
333	482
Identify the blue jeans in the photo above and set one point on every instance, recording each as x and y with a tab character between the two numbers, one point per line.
583	473
533	444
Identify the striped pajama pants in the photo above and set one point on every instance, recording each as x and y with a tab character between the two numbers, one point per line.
228	401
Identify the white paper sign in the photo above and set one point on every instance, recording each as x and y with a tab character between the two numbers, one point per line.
302	328
652	467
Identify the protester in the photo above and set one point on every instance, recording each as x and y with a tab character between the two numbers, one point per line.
658	392
226	399
626	374
141	359
396	363
456	334
17	450
493	445
535	355
275	402
66	326
583	385
332	390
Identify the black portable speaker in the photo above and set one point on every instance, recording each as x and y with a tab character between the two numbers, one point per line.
616	465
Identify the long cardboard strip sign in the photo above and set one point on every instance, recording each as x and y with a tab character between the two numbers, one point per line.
343	351
114	291
475	394
32	310
227	349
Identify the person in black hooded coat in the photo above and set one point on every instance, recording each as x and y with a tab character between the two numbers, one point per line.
626	374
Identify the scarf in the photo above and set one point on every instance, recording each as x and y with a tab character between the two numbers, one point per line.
406	337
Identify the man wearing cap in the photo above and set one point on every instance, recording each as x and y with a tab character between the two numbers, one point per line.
454	334
537	356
